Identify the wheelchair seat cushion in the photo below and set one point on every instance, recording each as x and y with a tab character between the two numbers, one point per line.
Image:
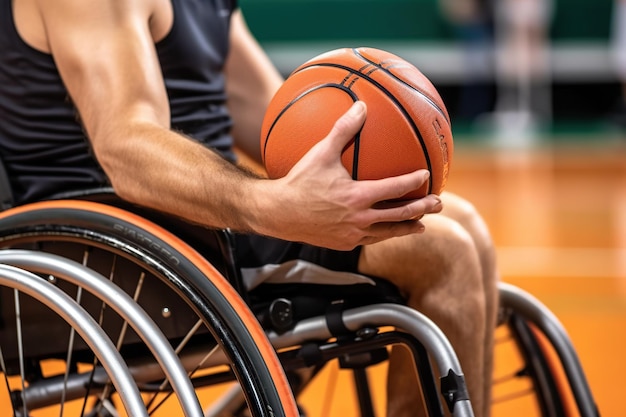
299	271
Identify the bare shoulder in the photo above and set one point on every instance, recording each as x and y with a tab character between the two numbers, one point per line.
29	24
37	20
104	52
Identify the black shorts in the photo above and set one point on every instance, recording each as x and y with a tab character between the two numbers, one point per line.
254	250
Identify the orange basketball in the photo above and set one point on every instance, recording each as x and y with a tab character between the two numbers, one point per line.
407	126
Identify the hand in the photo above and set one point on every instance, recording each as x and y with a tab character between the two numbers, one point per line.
319	203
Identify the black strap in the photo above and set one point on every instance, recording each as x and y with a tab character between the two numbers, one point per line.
334	319
311	354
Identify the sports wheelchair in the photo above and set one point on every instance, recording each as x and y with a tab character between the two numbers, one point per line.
110	309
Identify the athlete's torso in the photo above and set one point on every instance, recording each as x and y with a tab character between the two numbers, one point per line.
42	144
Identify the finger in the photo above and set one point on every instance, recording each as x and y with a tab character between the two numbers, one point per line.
394	188
405	211
383	231
347	126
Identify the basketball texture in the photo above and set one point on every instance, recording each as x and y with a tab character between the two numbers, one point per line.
407	126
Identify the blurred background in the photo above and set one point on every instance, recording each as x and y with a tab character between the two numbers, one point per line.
536	96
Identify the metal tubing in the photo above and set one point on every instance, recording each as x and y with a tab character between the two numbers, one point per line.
124	305
399	316
86	327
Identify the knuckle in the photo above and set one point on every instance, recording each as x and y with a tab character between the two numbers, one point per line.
407	212
398	190
341	126
404	212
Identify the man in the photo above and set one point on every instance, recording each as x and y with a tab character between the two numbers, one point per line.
138	93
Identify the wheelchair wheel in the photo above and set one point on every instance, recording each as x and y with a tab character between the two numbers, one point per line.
216	337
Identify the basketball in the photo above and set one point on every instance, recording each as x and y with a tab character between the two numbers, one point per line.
407	126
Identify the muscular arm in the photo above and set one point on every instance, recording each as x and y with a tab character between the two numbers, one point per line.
105	53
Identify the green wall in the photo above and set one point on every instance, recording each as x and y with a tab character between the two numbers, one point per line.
322	20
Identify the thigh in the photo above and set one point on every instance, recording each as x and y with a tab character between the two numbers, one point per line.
463	212
418	262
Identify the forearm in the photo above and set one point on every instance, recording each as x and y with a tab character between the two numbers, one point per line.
163	170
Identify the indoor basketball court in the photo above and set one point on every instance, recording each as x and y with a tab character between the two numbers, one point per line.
541	153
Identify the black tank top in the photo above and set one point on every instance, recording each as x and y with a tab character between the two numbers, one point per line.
42	142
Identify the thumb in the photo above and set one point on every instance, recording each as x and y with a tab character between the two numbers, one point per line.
347	126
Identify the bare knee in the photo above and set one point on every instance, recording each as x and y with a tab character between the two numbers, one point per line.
457	267
466	214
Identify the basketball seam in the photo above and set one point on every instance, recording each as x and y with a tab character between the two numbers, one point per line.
301	95
417	90
357	138
377	66
399	105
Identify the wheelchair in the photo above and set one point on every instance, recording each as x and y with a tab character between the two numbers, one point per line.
111	309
